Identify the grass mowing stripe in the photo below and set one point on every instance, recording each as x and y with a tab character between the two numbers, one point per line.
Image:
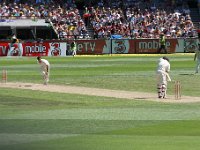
14	138
111	127
67	126
163	128
113	142
108	114
146	132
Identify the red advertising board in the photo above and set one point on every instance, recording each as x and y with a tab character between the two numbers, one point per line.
3	49
151	45
36	48
91	46
61	48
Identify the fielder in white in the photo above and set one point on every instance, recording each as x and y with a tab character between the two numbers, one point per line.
197	57
45	68
163	69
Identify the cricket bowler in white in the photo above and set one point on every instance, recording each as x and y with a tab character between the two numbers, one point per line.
45	68
163	69
197	57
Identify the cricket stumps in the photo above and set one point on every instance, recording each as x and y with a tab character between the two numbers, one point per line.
177	90
4	76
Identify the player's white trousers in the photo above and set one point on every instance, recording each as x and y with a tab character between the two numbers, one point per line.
161	84
197	66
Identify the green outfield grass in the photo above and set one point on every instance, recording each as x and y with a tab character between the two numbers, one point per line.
34	120
132	73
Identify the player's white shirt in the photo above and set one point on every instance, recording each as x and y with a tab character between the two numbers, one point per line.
163	65
44	63
197	52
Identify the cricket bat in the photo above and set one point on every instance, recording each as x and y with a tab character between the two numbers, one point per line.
168	77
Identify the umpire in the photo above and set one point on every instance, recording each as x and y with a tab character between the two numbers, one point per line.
162	42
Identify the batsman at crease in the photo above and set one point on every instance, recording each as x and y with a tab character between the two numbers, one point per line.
163	69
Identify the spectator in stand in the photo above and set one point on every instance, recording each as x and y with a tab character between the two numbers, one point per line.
86	16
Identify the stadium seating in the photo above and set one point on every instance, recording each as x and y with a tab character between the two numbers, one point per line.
130	19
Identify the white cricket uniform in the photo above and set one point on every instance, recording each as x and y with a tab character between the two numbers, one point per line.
162	77
45	68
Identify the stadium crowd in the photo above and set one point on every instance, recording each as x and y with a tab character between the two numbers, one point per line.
65	18
130	19
143	22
